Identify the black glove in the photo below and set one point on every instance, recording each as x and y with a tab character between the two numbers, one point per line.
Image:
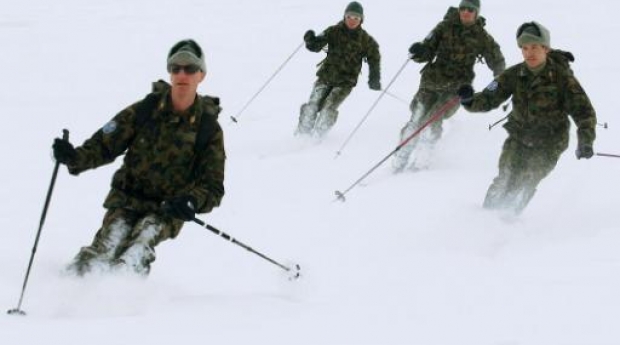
374	84
309	36
584	151
466	94
417	50
182	207
64	152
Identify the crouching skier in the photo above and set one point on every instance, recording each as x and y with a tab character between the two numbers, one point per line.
347	46
545	94
450	52
173	167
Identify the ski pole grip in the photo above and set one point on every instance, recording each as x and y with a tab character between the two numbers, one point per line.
65	134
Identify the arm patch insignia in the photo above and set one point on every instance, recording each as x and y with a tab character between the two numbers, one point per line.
109	127
492	86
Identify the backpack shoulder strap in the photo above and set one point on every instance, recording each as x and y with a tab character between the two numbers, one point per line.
149	103
145	108
208	121
563	60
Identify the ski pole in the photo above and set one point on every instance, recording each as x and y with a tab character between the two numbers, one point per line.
371	108
604	125
607	155
396	97
436	116
504	108
18	310
236	118
498	122
294	272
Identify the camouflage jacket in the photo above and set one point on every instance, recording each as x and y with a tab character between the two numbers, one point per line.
346	50
452	49
541	104
160	161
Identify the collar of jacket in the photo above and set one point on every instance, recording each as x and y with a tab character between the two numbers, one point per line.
525	70
191	114
343	26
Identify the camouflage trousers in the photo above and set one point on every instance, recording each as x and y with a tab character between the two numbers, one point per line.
319	115
424	105
125	241
521	168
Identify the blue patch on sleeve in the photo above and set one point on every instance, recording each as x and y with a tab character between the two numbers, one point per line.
493	86
109	127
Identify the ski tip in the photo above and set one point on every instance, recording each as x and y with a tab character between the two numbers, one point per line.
16	312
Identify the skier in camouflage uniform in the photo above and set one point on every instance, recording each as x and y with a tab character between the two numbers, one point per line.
450	52
544	93
164	179
348	44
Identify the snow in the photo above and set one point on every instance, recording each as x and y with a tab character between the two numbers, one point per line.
407	259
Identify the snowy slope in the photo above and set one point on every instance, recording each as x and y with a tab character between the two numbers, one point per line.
407	259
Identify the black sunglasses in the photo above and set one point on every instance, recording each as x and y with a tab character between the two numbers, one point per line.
467	8
188	69
534	28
